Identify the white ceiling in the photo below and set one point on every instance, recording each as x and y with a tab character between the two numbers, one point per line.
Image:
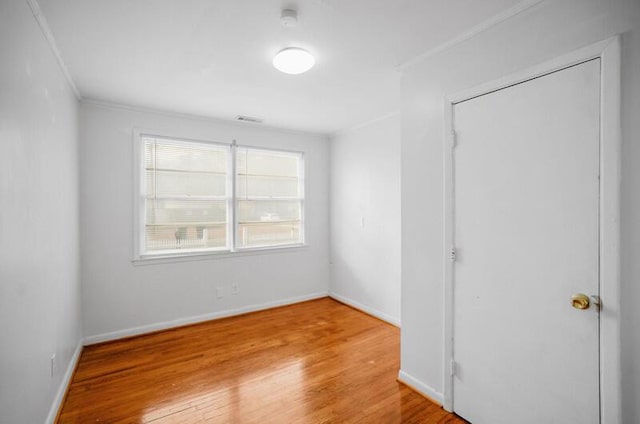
213	57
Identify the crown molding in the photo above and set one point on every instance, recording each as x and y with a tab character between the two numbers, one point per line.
483	26
48	35
363	124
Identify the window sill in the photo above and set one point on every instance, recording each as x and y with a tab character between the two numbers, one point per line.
204	256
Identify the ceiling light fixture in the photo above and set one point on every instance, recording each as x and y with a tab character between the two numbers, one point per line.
293	60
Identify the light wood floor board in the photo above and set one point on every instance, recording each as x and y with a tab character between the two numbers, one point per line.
313	362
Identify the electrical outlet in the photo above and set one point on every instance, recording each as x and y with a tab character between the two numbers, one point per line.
235	289
53	365
219	292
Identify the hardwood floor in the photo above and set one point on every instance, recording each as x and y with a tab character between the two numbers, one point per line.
313	362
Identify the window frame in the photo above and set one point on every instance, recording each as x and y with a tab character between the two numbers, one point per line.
231	249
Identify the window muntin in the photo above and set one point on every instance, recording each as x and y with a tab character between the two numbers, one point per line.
188	204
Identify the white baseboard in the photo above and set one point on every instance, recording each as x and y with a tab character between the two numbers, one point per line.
66	380
420	387
136	331
364	308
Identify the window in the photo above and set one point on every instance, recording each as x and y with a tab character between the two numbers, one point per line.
269	196
201	197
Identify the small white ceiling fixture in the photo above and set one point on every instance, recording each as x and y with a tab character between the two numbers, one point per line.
293	60
289	18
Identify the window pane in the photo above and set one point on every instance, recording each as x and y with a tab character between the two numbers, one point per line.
188	237
189	156
180	183
258	234
178	212
265	162
185	224
175	171
264	186
182	168
266	174
268	210
268	222
264	181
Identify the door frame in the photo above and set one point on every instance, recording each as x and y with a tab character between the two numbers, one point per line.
609	244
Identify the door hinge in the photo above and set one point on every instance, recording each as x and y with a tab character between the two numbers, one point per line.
452	254
453	367
454	139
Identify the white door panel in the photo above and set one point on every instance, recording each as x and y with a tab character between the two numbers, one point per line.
526	200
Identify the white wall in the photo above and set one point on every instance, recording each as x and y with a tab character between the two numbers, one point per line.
548	30
365	218
120	296
39	285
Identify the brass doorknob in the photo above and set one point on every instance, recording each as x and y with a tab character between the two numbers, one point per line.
580	301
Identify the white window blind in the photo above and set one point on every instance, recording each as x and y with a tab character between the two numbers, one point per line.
269	197
185	195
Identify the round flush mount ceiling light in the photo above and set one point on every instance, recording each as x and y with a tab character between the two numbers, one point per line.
293	60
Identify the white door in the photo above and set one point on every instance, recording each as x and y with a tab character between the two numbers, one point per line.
526	199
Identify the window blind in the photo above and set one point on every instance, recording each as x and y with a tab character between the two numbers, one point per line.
269	197
185	192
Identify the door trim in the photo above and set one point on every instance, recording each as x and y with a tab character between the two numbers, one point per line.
609	247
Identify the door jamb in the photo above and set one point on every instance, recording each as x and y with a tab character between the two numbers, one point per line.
609	250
